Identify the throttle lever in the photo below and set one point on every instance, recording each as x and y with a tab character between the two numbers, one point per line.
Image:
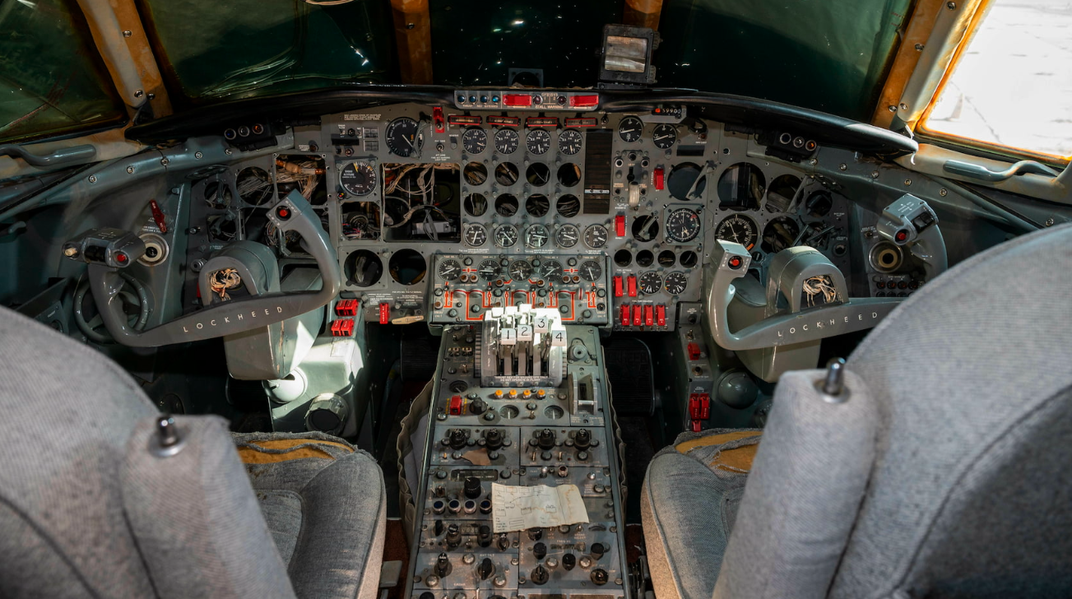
292	213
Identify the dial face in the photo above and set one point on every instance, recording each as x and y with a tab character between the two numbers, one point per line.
507	141
476	235
567	236
590	270
664	136
683	225
449	269
551	270
538	141
650	282
630	129
595	236
474	140
402	138
506	236
738	228
676	283
520	270
357	178
536	236
489	270
569	142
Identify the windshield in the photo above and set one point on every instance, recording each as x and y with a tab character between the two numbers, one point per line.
830	56
52	79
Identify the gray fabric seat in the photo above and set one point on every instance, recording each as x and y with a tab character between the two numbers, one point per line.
87	509
943	474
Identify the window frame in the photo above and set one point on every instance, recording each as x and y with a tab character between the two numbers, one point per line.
970	145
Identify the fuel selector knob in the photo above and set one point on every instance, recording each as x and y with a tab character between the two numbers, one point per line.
442	566
472	488
600	577
493	439
582	439
485	569
539	550
478	407
545	438
540	575
569	561
456	438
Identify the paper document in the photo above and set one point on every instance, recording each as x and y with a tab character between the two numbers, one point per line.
520	508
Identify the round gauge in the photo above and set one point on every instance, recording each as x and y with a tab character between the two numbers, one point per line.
474	140
520	270
676	283
682	225
551	270
476	235
650	283
357	178
664	136
506	236
569	142
590	270
538	141
507	141
596	236
630	128
449	269
567	236
779	234
738	228
402	137
489	270
536	236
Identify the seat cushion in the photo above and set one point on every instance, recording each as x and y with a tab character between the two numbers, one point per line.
325	505
688	504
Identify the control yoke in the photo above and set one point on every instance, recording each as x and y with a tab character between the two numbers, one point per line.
108	250
907	222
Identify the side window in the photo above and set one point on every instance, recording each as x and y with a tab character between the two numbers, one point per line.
52	79
1011	85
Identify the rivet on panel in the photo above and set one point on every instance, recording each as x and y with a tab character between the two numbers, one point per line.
127	33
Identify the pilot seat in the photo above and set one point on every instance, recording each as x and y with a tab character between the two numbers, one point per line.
933	464
102	496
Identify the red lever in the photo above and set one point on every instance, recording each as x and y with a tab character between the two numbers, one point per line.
694	351
617	285
660	315
659	178
158	216
437	118
625	315
649	315
619	225
632	285
342	328
455	408
638	315
385	313
346	307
